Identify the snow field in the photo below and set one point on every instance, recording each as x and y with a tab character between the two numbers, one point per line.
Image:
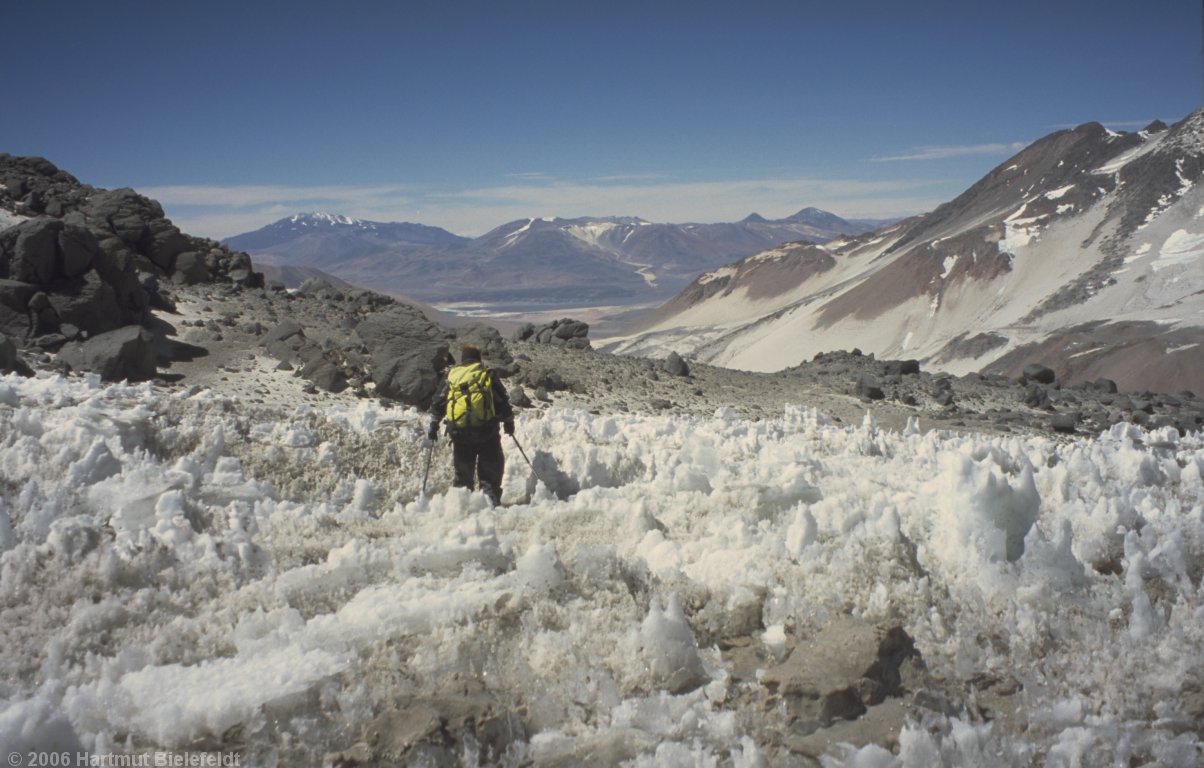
177	569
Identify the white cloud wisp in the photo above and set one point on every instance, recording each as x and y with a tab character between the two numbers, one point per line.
944	153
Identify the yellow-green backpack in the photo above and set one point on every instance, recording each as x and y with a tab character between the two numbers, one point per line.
469	396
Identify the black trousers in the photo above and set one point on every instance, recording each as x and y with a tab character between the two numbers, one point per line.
479	456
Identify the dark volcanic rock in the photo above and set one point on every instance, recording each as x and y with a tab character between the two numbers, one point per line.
1064	422
493	348
94	305
547	379
901	367
408	351
519	398
412	376
191	269
869	388
322	367
1035	396
284	342
846	668
15	316
675	366
124	354
116	231
1038	373
523	332
565	332
324	373
139	222
10	360
395	332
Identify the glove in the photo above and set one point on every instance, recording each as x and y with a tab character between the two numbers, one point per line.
508	425
432	432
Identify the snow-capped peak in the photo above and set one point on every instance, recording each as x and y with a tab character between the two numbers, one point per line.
319	218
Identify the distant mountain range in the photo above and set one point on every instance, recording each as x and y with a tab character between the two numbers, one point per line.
1084	251
530	262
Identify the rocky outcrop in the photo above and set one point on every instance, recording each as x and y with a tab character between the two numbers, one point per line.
573	334
407	352
493	349
675	366
324	367
10	359
848	680
372	338
1035	397
57	273
848	667
124	354
85	261
1039	373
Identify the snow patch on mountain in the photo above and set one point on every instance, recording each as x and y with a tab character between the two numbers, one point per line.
318	218
1040	245
593	232
10	219
1116	164
513	236
1180	249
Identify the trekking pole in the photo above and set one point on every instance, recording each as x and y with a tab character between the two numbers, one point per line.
426	471
519	446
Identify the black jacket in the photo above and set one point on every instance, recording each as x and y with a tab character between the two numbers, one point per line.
501	406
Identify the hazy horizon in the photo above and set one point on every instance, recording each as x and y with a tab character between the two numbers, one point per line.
469	116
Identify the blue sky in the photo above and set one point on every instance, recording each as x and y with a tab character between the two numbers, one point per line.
467	115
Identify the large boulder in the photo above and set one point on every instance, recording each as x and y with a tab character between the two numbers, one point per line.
323	367
901	367
79	232
408	352
33	186
124	354
139	223
43	250
125	213
166	242
10	360
493	348
81	284
288	343
849	666
1039	373
565	332
319	369
393	333
33	253
14	307
190	269
77	247
674	365
285	341
413	376
91	304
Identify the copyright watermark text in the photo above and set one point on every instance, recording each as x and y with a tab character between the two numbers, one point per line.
158	759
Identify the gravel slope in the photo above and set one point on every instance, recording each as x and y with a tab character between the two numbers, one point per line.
223	327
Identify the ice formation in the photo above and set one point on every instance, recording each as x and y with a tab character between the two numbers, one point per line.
176	566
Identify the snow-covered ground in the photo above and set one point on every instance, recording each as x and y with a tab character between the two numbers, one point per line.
10	219
181	570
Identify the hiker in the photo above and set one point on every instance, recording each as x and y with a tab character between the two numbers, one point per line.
473	402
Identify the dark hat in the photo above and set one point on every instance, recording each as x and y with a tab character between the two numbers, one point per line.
470	353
